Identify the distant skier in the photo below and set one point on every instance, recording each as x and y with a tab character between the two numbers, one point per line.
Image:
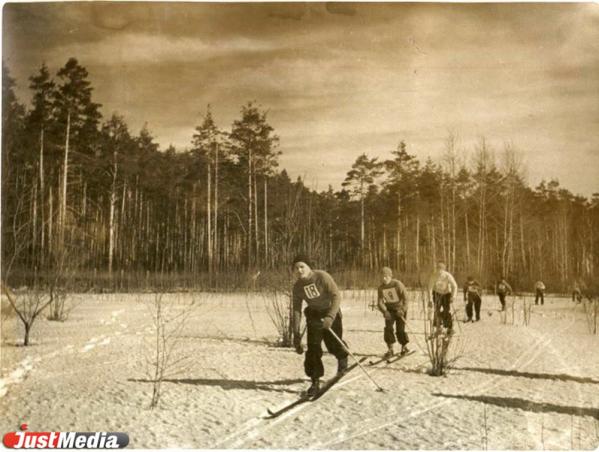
393	304
540	292
577	291
502	289
472	292
323	298
444	290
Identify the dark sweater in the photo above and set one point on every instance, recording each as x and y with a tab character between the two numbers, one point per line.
392	295
320	292
471	287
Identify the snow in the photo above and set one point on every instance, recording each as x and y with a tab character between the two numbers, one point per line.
537	385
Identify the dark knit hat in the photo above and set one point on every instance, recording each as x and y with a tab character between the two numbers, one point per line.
302	258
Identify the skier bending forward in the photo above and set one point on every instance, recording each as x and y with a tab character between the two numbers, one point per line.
393	305
445	290
322	296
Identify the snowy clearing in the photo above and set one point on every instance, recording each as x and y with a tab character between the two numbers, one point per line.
537	386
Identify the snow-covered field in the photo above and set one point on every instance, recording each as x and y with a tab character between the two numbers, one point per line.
534	386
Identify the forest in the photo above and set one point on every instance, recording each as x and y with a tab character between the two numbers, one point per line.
106	208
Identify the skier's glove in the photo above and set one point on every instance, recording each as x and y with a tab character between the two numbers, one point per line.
387	315
297	343
327	323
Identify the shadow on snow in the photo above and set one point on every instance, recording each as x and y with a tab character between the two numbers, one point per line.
527	405
231	384
515	373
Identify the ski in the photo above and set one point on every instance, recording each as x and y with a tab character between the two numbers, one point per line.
396	358
381	360
330	383
306	398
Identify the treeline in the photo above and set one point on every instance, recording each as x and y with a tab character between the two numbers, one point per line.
83	192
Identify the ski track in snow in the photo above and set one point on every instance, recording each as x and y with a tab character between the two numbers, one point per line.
22	370
95	342
222	412
523	360
18	374
254	428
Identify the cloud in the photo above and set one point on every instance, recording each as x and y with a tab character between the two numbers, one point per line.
134	48
339	79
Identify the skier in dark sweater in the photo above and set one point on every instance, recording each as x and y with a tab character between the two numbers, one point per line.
502	289
318	289
472	291
393	304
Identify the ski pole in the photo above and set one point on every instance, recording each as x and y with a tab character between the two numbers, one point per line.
405	322
355	359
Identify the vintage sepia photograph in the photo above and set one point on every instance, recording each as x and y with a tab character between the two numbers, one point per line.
338	226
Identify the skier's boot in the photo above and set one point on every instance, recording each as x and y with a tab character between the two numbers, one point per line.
404	350
389	354
314	388
341	365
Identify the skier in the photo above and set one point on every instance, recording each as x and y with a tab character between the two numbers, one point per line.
322	296
393	304
472	291
444	289
540	292
577	292
502	289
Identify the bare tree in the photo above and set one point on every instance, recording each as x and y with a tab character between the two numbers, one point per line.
28	306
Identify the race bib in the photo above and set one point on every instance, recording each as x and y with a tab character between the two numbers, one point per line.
471	288
311	291
501	286
390	295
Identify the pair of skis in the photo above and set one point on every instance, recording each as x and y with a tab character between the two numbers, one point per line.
330	383
396	357
311	398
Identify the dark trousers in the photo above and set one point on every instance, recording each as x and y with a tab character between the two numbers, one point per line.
577	296
397	319
474	301
316	334
442	313
541	296
502	300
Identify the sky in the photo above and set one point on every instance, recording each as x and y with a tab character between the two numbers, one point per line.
339	79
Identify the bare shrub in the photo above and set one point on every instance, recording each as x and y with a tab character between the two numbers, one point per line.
526	311
485	429
437	340
6	310
280	310
65	263
163	357
591	310
513	310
